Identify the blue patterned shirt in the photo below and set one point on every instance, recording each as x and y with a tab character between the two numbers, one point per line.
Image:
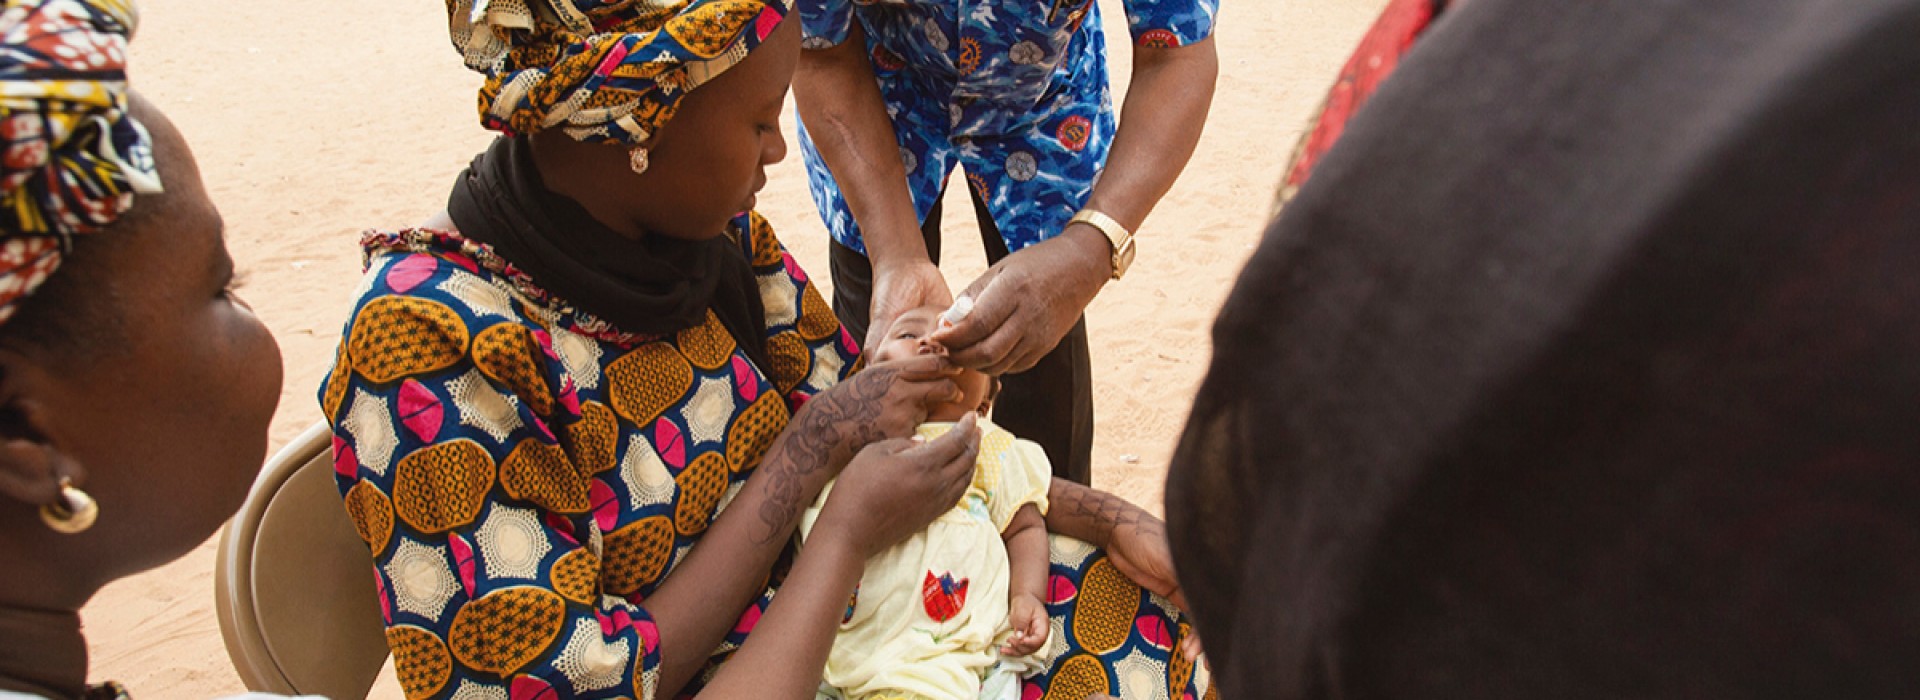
1014	91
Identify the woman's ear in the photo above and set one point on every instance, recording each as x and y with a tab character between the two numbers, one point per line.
31	465
31	471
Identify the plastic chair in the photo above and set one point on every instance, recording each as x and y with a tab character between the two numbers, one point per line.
293	583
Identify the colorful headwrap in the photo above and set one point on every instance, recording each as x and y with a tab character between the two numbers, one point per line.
70	157
604	70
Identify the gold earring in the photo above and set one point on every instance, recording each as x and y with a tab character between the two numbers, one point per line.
75	512
637	158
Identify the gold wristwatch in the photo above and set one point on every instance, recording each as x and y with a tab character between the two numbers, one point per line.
1118	235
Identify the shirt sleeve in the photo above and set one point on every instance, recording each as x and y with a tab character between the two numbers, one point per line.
825	23
465	459
808	349
1170	23
1021	473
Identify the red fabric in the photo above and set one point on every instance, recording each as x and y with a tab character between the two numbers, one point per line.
1378	54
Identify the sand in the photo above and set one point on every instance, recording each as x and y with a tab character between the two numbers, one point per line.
312	122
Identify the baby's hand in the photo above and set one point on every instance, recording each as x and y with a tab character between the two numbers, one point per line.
1028	618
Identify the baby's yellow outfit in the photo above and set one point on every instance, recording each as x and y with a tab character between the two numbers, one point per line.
930	614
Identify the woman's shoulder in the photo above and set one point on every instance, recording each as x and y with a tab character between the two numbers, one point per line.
439	278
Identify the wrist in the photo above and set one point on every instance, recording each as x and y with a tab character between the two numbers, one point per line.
841	538
903	249
814	419
1093	250
1119	237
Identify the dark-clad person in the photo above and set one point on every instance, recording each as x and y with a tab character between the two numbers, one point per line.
1585	365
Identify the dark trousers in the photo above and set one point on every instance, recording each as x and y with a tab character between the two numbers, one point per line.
1050	404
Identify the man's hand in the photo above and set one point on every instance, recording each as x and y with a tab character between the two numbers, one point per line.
899	288
1027	302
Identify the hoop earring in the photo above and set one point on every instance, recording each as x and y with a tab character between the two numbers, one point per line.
75	512
637	159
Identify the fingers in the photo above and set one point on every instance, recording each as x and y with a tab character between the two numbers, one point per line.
890	446
1037	629
880	316
991	310
1190	647
959	470
960	443
1021	646
876	333
1177	597
923	368
1030	355
992	353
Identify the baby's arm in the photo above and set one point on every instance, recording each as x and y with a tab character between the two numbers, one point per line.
1027	562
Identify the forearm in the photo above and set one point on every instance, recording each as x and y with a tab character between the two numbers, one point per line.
839	100
1027	557
1166	107
787	652
1092	516
699	603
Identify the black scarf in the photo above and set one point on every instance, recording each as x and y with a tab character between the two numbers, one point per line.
656	285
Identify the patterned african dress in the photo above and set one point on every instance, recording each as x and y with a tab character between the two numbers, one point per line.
1014	92
525	475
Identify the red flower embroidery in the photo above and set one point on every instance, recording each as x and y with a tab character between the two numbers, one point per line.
943	596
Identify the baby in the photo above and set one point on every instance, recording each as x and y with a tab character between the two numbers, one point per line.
956	611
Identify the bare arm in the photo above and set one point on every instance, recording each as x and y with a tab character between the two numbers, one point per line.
893	489
1166	107
1093	516
787	652
1027	562
839	100
697	605
1026	538
700	602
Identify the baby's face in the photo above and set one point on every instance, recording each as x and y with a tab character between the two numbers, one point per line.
908	337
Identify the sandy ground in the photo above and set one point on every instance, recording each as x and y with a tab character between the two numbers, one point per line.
313	122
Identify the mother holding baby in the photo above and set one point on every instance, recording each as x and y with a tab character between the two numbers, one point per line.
578	415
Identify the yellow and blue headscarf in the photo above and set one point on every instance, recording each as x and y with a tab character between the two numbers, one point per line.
603	70
71	159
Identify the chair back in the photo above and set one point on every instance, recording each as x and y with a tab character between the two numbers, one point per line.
293	584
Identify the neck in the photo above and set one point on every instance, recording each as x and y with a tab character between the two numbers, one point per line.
948	413
42	652
586	173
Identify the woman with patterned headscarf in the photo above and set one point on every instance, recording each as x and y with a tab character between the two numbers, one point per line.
135	389
577	416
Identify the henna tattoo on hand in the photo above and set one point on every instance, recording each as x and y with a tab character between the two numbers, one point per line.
826	433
